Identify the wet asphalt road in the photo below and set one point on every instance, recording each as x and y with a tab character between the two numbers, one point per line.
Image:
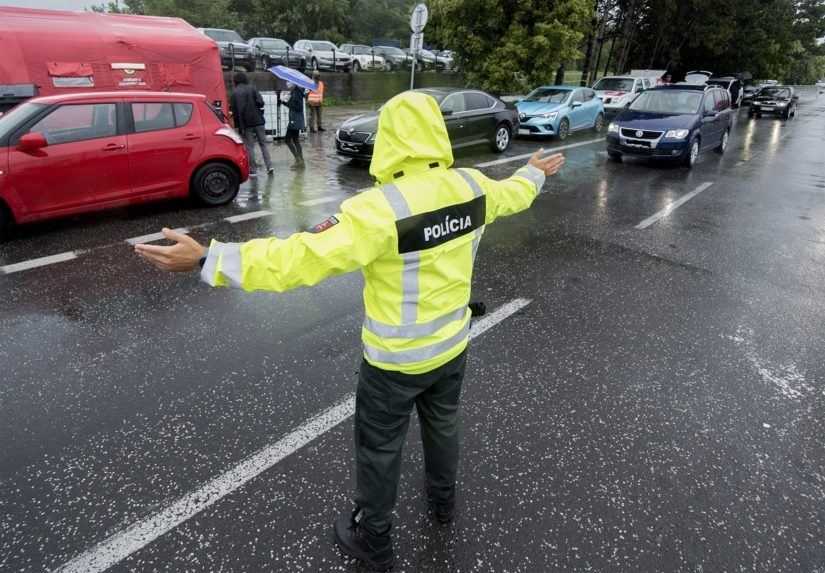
658	406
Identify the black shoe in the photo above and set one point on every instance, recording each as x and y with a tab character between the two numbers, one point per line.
374	550
444	511
321	129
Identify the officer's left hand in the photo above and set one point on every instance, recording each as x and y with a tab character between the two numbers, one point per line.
181	257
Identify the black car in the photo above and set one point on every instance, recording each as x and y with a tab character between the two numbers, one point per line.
672	122
233	49
270	52
472	117
394	58
749	92
779	100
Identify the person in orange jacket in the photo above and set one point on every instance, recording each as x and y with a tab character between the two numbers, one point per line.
316	102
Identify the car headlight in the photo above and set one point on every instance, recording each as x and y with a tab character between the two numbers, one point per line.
612	128
551	115
677	133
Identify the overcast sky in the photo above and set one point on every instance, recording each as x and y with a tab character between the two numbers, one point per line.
50	4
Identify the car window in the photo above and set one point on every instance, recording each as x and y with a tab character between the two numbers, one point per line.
589	95
709	103
647	83
475	100
722	102
668	101
223	35
152	116
453	103
70	123
183	113
323	46
614	85
578	96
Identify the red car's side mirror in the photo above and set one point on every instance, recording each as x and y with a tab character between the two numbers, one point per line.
32	142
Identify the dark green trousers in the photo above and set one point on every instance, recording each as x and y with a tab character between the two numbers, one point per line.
383	405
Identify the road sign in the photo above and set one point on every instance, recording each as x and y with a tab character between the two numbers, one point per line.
418	19
417	42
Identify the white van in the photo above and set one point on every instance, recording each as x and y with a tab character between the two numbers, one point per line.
618	92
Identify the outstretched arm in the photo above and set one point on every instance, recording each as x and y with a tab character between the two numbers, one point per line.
344	243
517	193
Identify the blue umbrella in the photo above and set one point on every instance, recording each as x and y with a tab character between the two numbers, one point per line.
294	76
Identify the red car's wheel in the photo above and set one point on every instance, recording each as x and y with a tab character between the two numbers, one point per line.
215	184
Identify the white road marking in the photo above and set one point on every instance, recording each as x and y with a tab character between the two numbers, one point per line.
673	206
319	201
153	237
40	262
138	535
549	151
247	216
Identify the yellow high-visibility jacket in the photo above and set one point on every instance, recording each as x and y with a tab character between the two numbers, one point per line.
414	235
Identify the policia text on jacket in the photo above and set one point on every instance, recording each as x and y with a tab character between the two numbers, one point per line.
414	236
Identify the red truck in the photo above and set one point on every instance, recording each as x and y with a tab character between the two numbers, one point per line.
50	52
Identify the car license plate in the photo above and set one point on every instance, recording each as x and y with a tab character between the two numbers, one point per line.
765	108
524	132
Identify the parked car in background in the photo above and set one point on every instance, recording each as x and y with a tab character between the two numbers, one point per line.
732	85
618	92
431	62
777	100
82	152
446	58
363	57
673	122
394	58
323	55
472	117
270	52
560	110
232	46
749	92
697	77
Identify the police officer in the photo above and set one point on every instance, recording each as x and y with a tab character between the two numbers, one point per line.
414	235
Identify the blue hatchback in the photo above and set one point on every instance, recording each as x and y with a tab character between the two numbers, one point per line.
560	110
672	122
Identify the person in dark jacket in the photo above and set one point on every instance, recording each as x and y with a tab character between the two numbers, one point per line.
297	123
247	107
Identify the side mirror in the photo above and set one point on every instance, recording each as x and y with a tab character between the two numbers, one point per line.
795	97
446	112
575	104
32	142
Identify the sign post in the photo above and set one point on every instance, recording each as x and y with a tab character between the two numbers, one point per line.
418	19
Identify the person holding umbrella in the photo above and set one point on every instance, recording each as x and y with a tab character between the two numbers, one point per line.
297	123
298	85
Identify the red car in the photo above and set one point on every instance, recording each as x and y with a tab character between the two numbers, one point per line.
67	154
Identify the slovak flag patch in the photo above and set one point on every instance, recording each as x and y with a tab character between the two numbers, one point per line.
324	225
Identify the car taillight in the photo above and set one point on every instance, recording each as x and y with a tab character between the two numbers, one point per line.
227	131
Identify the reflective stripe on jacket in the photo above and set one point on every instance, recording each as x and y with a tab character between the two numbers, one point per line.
317	97
414	236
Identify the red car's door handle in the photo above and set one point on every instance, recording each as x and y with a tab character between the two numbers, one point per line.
114	147
191	136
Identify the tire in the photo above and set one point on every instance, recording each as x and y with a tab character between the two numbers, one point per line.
215	184
356	67
693	154
564	129
723	145
314	64
501	138
613	156
6	222
266	62
388	66
598	125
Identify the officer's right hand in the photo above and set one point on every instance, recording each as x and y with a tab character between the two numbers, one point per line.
550	165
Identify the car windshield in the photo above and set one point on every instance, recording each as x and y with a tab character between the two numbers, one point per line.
667	101
614	85
775	92
361	50
548	95
391	50
274	44
426	53
10	120
223	35
722	83
323	46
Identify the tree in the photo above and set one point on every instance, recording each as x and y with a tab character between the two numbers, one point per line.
505	46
